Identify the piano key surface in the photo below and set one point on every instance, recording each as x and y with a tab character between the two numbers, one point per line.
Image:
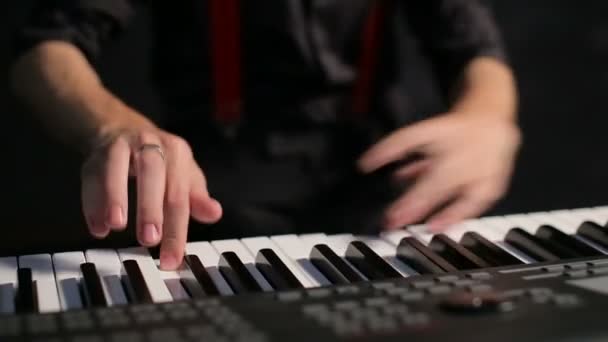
544	234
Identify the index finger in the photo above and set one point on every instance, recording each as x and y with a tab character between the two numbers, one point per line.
394	146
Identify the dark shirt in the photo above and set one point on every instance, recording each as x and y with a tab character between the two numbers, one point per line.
299	56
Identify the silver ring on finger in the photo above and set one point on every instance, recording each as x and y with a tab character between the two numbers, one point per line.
154	147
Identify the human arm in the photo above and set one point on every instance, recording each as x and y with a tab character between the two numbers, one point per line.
55	77
469	151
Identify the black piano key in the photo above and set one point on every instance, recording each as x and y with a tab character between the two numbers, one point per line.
139	289
237	275
202	276
275	271
421	258
457	255
594	232
92	285
487	250
26	300
334	268
373	266
530	245
571	246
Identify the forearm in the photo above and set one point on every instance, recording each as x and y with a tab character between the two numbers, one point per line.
487	87
56	81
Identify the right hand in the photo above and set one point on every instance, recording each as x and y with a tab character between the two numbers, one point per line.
168	191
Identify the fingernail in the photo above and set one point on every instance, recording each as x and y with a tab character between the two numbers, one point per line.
168	261
150	234
115	216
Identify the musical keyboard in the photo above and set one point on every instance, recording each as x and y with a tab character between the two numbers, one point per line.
295	267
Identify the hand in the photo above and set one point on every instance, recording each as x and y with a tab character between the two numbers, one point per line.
170	188
466	166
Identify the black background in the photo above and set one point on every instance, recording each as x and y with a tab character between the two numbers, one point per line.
559	49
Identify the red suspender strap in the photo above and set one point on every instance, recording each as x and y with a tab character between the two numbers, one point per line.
368	56
226	66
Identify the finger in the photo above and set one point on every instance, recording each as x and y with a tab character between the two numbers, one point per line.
471	204
92	199
412	170
151	178
176	216
394	146
116	184
428	193
204	208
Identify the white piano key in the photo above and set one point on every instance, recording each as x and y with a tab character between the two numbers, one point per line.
388	252
525	222
395	236
339	243
421	232
246	258
255	244
172	280
44	278
68	277
210	259
158	290
109	268
589	214
8	281
500	224
602	213
484	229
556	221
299	251
455	232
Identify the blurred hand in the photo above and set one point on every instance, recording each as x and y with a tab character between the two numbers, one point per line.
466	166
170	188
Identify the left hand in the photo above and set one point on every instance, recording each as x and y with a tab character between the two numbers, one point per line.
468	159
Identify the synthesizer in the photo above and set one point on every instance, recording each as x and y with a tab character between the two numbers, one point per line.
536	276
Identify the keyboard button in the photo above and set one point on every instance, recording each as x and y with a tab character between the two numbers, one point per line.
237	275
487	250
422	259
92	285
464	302
412	296
455	254
439	290
298	251
594	232
126	336
530	244
26	300
479	275
275	271
8	284
150	276
373	266
139	291
109	268
423	284
447	278
44	278
210	260
202	276
319	293
565	245
256	244
332	266
290	296
242	254
68	278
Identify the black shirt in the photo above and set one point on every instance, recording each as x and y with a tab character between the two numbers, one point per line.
299	56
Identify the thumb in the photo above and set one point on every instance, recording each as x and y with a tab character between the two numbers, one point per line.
203	207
